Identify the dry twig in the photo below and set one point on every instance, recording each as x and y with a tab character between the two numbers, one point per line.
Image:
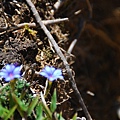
22	25
55	45
71	46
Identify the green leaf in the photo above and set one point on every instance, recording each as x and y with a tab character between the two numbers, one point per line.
3	112
32	105
45	107
21	107
46	118
11	112
59	117
74	117
53	105
39	112
17	100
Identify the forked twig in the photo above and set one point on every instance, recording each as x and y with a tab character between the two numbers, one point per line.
55	45
22	25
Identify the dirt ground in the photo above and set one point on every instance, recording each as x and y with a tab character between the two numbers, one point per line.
95	58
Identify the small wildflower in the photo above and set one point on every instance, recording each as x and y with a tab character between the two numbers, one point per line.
51	73
10	71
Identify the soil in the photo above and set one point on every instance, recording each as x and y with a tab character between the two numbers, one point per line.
95	59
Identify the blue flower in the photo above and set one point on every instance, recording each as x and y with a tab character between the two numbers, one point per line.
10	71
51	73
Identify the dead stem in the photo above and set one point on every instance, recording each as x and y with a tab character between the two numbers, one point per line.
22	25
55	45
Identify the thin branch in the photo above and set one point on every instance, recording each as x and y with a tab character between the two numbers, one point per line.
33	25
71	46
58	4
48	22
55	45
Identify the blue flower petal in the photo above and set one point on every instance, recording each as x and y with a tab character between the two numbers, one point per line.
4	70
52	78
57	72
3	74
9	67
61	77
17	70
53	70
17	76
44	74
55	78
7	79
49	69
